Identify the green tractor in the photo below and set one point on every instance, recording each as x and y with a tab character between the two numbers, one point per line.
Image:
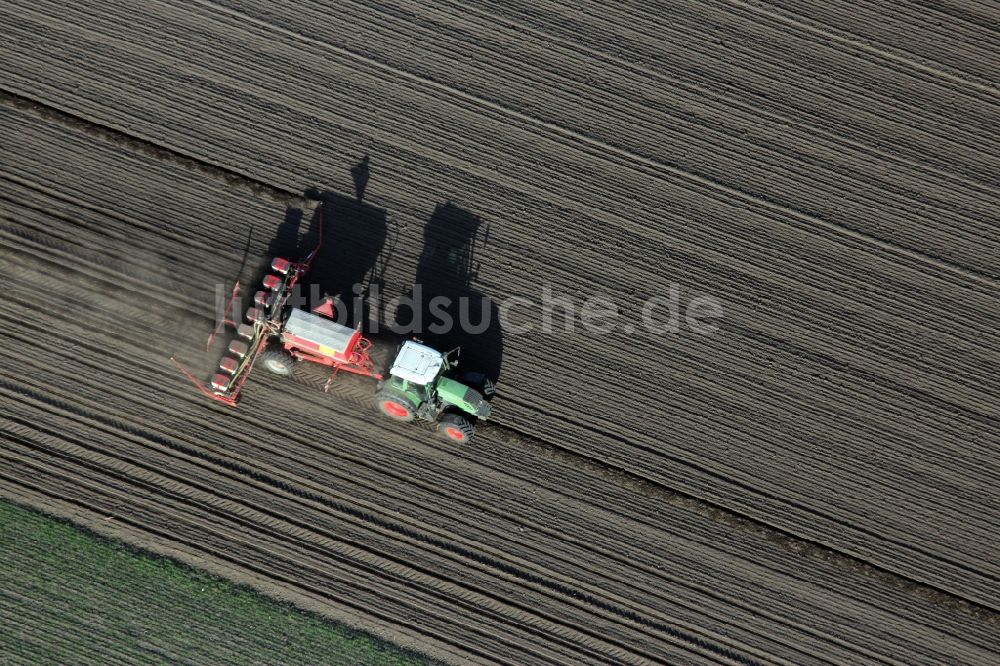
421	385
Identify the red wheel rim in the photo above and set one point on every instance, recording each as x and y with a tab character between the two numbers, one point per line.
455	433
395	409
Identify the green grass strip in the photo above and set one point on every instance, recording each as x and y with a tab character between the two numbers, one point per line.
68	596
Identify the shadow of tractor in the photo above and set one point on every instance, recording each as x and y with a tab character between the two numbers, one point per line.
443	308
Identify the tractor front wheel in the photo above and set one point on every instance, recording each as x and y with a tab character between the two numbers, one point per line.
481	383
455	427
395	407
278	361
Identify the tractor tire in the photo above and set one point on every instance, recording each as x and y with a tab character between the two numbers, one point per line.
480	382
278	361
455	428
395	407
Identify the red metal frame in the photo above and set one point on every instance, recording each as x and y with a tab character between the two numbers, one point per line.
356	359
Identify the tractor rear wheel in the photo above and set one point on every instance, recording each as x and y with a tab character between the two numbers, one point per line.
455	427
278	361
396	407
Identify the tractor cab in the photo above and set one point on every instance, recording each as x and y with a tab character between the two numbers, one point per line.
417	363
414	373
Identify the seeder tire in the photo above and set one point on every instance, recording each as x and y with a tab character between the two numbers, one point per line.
278	361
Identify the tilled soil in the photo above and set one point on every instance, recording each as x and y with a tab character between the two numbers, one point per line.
814	482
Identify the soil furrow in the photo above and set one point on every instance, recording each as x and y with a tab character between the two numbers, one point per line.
810	483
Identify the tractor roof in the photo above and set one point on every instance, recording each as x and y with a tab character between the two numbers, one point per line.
417	363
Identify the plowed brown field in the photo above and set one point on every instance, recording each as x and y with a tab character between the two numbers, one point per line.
815	482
